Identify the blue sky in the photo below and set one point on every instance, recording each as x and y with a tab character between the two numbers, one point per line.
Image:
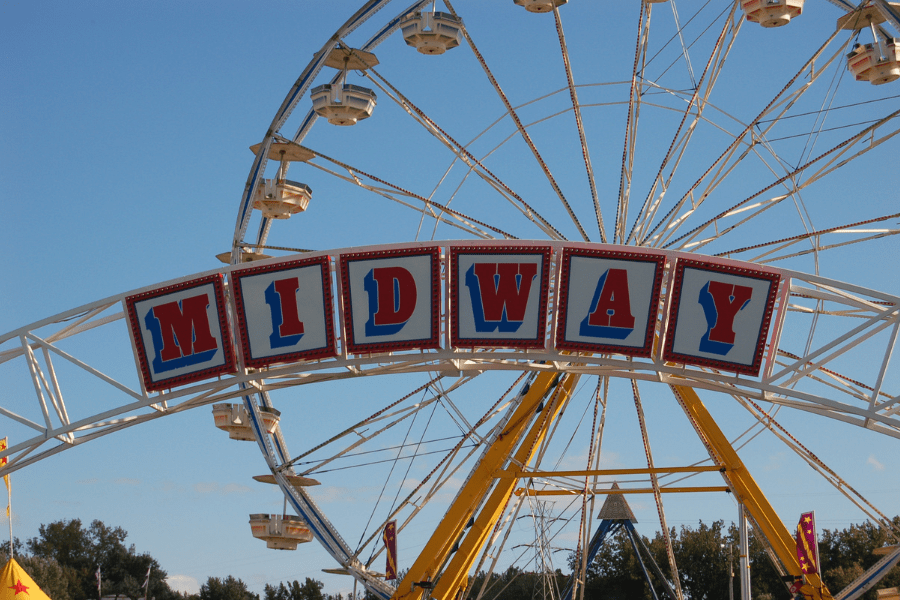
124	134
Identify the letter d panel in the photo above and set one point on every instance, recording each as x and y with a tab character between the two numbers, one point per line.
391	299
285	311
180	333
498	296
608	301
719	315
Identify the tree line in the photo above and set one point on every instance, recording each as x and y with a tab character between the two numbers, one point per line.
64	558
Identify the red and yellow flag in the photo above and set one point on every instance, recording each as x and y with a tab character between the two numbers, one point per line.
15	584
3	462
390	545
807	543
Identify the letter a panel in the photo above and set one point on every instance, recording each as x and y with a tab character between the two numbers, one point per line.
719	315
498	296
608	301
391	300
180	333
285	311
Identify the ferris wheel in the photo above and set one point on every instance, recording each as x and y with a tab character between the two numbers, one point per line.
539	230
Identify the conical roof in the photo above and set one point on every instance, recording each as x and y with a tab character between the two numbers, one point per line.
15	584
615	508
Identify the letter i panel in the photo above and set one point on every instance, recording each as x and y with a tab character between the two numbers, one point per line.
719	315
180	333
608	301
285	311
498	296
391	300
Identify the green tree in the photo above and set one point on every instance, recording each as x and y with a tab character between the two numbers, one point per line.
81	551
227	588
847	553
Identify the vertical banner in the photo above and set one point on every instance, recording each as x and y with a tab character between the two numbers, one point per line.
285	311
498	296
392	299
719	315
3	462
808	543
608	301
390	546
181	332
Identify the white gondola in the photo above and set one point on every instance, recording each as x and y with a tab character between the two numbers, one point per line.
431	32
343	104
280	532
875	63
234	419
279	199
540	6
771	13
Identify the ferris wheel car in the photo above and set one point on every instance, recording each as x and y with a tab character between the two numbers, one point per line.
280	532
431	32
343	105
540	6
235	419
281	198
771	13
867	63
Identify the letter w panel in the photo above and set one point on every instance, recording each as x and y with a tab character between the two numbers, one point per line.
719	315
391	299
180	333
498	296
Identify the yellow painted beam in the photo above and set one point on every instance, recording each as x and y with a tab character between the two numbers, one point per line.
519	474
663	490
747	491
436	551
455	576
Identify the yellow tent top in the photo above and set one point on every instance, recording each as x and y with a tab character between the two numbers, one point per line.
16	584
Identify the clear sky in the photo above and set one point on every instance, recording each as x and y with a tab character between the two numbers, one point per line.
124	134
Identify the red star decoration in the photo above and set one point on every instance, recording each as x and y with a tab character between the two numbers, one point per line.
19	587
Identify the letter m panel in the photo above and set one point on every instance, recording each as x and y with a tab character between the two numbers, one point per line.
180	333
719	315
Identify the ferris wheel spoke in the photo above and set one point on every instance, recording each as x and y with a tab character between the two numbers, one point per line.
579	124
435	209
861	229
520	127
635	97
462	153
666	227
657	496
831	160
694	110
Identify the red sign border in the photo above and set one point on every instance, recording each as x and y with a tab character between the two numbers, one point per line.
229	367
563	298
431	343
327	351
677	280
545	252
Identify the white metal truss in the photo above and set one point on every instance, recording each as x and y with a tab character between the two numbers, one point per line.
824	381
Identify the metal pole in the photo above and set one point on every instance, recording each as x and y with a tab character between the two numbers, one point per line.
730	573
745	555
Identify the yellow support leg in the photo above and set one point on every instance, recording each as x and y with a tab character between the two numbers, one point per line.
436	551
747	491
455	576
